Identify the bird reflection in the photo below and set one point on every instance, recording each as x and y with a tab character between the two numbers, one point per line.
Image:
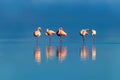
61	53
84	53
93	52
37	55
50	52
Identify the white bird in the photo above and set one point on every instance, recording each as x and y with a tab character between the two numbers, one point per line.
83	33
37	34
61	33
93	34
49	33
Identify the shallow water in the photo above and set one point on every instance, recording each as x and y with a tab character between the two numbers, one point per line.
23	60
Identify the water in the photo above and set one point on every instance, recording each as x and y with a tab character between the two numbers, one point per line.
22	60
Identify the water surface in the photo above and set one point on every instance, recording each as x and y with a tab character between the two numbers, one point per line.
23	60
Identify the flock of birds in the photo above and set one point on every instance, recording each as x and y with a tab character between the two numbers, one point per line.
62	51
61	33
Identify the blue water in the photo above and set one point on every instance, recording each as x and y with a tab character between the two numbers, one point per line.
98	61
22	59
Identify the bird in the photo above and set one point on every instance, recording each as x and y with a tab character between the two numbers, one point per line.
49	33
37	34
93	34
83	33
61	33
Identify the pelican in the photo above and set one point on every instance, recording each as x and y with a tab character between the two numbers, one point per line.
61	33
50	33
37	34
83	33
93	34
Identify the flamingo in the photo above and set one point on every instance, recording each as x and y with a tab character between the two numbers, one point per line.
61	33
37	33
83	33
50	33
93	34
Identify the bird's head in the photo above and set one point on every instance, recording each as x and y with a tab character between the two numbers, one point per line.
47	30
60	28
93	32
39	28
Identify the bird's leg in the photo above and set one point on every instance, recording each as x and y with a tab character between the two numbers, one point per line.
37	42
50	40
93	38
83	40
60	41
